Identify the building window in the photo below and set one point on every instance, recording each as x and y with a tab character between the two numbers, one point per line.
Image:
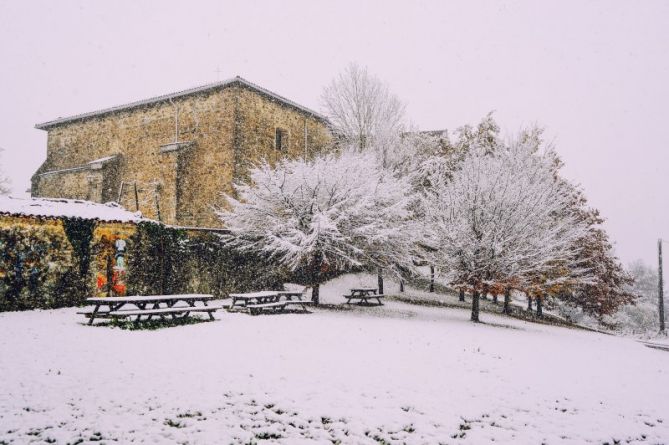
281	139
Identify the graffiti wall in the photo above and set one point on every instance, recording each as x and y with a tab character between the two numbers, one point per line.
110	250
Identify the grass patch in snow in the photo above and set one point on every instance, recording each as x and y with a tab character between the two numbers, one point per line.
151	325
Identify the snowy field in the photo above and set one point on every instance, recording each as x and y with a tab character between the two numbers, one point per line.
392	374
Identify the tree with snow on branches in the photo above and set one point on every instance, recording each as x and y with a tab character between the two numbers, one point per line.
502	216
333	213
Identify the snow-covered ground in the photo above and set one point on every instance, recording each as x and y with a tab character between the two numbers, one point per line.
392	374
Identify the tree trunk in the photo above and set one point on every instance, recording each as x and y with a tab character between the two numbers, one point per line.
529	303
431	278
110	275
379	280
462	294
507	301
475	306
401	285
315	294
316	277
494	298
540	311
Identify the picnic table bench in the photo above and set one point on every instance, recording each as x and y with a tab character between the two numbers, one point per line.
149	306
363	295
275	301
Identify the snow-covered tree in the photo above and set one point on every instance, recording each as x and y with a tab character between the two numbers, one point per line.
645	280
4	181
607	285
502	216
362	110
434	155
333	213
640	317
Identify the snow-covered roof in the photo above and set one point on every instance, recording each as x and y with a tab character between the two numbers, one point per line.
68	208
229	82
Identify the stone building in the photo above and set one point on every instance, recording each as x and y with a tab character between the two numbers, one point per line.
172	157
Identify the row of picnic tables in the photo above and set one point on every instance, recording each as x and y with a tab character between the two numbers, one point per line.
181	306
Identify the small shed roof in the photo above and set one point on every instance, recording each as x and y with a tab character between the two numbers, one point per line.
66	208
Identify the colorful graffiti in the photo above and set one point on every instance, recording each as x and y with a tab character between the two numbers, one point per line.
111	262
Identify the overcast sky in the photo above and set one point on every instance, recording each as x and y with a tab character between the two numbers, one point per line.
595	74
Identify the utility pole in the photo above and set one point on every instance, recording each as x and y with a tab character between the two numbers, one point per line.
660	285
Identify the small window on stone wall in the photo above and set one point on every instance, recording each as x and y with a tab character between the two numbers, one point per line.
281	139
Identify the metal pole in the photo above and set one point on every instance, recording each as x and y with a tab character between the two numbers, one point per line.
660	285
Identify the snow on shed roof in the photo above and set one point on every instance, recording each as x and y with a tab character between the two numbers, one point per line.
68	208
212	86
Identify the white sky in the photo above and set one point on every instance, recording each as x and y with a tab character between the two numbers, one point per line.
595	74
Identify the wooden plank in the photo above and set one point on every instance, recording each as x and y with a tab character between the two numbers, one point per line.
252	295
291	293
171	310
263	305
151	298
96	315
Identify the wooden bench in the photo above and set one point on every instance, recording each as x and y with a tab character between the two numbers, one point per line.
257	308
161	312
278	306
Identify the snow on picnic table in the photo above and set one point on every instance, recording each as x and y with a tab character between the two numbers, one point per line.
396	373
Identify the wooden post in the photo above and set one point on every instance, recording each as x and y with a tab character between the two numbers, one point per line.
120	193
401	285
462	294
431	278
136	197
660	286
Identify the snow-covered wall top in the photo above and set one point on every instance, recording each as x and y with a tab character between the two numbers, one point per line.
68	208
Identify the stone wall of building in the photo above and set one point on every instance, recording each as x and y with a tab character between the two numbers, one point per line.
76	184
221	133
146	177
258	120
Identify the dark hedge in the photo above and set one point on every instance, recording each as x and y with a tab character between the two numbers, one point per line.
40	268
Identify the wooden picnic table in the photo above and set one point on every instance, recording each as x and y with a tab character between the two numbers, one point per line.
149	306
364	294
256	302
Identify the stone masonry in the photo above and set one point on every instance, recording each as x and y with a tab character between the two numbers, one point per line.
173	157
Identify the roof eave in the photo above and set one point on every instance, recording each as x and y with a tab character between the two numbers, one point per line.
164	98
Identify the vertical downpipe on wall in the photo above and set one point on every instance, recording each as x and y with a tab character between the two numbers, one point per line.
305	138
